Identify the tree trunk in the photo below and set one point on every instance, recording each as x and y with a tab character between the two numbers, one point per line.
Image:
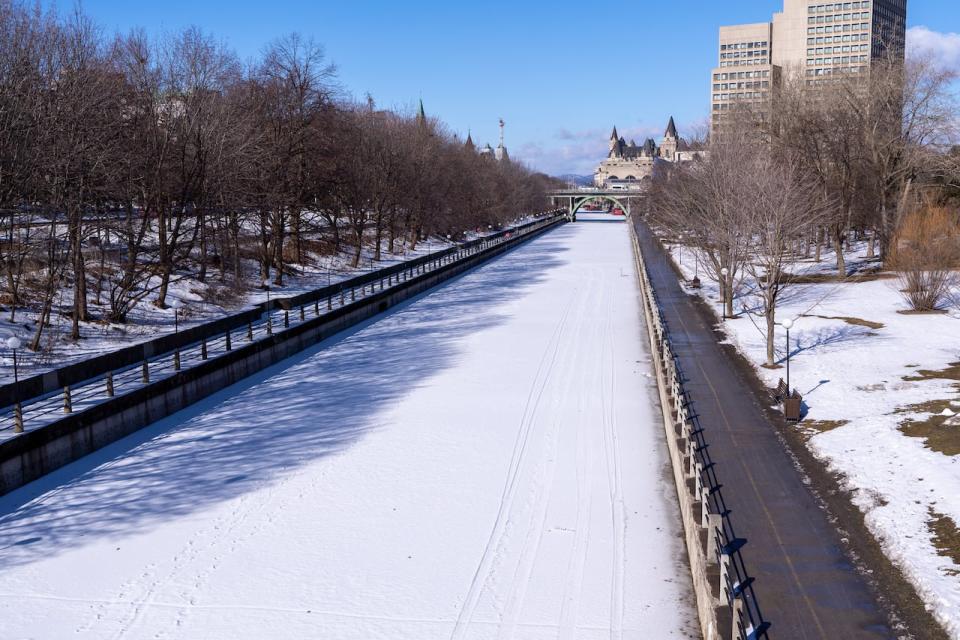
202	275
837	238
771	335
379	237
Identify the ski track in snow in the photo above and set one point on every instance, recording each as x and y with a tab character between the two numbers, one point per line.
486	498
502	522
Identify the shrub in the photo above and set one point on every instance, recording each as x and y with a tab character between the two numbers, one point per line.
925	253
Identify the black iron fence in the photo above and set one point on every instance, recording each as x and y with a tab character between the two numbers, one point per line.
732	586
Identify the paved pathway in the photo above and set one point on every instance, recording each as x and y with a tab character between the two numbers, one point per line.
806	586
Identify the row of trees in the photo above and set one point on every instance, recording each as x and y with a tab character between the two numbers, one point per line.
817	165
127	162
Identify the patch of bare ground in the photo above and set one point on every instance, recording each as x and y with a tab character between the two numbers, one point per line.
951	372
859	322
930	312
811	428
946	538
940	428
823	278
940	432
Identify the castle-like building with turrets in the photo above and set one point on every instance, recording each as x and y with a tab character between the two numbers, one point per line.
628	164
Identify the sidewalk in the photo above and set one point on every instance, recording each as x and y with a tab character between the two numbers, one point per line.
805	585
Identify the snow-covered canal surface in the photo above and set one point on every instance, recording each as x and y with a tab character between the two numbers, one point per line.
486	461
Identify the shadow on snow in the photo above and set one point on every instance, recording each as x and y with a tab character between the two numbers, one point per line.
313	404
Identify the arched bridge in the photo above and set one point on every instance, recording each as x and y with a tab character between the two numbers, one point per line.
574	199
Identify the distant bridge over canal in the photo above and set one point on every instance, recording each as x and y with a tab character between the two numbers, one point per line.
574	199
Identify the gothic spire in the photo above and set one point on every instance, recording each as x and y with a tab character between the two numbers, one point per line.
671	131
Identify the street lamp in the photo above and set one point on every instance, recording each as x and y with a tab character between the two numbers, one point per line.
788	324
176	304
266	285
13	343
723	292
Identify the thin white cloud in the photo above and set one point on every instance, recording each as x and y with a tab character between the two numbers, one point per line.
579	152
943	48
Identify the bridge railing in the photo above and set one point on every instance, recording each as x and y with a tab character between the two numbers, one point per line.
714	549
42	399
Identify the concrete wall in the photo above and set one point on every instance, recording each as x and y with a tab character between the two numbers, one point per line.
40	451
703	575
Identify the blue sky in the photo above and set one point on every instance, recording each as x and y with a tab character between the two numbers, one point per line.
560	73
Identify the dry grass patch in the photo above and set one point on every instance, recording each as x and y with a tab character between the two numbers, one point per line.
824	425
859	322
946	538
940	432
812	428
822	278
952	372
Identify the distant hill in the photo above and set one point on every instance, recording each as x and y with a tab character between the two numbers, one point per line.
580	181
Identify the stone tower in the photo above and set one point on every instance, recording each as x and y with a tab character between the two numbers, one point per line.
671	142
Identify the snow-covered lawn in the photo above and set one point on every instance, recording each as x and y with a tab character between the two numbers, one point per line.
483	462
864	369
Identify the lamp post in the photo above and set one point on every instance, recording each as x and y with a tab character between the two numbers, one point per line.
13	343
723	292
176	304
266	285
788	324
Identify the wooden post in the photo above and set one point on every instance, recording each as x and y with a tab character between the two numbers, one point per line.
303	315
203	349
17	418
269	325
110	384
67	406
176	360
228	340
329	303
286	319
250	331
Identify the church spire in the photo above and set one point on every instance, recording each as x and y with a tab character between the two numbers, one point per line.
469	143
671	131
421	114
614	135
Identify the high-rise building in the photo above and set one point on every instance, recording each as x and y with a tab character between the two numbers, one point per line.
812	38
745	70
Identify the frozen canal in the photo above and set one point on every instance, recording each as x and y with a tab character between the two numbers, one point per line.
484	462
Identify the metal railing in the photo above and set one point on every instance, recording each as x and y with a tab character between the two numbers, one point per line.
82	385
733	588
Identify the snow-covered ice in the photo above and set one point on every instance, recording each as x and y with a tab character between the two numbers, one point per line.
485	461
